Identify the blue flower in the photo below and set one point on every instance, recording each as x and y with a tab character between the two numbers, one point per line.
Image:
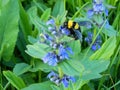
107	24
63	52
72	79
89	37
54	77
52	74
50	22
51	26
106	12
66	79
97	44
47	37
65	82
64	30
90	13
51	59
69	50
98	8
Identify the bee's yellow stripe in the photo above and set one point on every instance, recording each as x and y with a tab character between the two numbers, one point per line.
70	24
76	26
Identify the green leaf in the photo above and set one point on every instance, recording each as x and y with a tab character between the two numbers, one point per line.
109	31
8	28
32	40
106	51
21	68
39	65
59	8
21	45
79	83
98	19
93	68
39	86
45	16
41	6
37	50
76	46
54	87
1	88
66	39
72	67
39	24
25	24
16	81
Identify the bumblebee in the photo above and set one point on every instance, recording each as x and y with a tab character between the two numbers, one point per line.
74	29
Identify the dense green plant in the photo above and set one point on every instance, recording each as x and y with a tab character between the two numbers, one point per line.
38	53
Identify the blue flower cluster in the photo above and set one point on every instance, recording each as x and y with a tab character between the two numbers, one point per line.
97	44
98	8
59	50
54	77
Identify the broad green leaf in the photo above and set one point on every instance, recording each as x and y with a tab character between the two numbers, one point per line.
54	87
39	24
109	31
37	50
39	86
76	46
16	81
79	83
59	8
93	68
32	40
45	16
3	3
106	50
8	28
25	24
21	68
66	39
72	67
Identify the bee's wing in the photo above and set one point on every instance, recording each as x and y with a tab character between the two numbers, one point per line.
87	24
78	35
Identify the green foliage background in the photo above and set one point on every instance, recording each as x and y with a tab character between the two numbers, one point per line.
22	20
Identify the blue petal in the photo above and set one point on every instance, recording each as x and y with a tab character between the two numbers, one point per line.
69	49
52	74
46	58
53	62
65	31
90	13
73	79
47	37
63	53
107	24
51	21
65	82
94	47
106	12
51	59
